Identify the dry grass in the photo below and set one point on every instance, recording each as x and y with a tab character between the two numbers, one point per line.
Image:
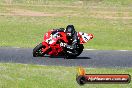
92	12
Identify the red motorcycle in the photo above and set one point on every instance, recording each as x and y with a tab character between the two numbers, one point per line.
53	45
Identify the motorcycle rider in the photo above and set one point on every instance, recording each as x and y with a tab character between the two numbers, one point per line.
71	36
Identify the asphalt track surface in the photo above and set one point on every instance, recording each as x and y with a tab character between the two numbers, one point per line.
89	58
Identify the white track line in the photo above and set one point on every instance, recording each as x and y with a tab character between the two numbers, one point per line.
115	50
90	49
123	50
16	47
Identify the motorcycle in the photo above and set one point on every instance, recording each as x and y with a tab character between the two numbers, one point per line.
53	45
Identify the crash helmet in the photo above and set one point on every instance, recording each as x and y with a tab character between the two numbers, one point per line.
70	30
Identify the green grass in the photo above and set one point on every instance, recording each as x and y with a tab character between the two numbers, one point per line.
109	33
34	76
28	31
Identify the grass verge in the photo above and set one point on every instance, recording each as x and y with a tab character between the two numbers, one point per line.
28	31
109	21
34	76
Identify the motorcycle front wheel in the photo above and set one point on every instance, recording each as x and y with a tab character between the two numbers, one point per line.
37	51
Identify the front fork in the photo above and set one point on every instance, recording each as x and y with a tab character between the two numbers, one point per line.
46	47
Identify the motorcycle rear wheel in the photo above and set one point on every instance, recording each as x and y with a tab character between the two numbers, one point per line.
80	48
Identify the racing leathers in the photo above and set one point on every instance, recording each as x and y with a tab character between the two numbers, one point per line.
71	48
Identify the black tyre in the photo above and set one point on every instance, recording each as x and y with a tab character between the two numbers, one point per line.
80	48
37	51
